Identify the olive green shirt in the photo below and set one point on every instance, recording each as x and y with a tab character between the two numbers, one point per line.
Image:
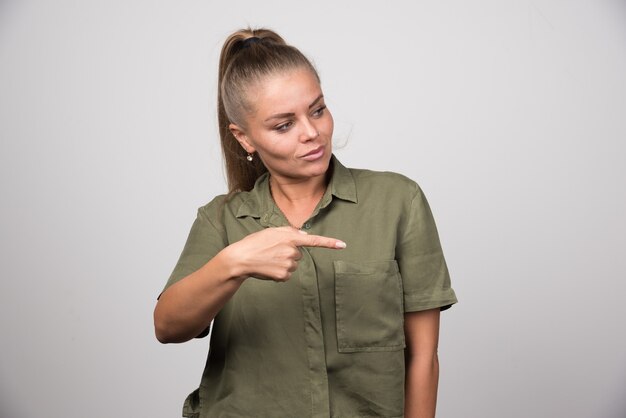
330	341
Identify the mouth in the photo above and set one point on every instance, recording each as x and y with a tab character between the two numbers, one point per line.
314	154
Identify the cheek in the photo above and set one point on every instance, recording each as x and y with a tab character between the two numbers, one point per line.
328	124
277	146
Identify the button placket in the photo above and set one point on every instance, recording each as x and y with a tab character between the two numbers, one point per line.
314	336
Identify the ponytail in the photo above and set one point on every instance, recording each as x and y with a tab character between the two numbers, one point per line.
248	55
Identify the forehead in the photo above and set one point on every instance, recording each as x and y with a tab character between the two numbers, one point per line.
284	92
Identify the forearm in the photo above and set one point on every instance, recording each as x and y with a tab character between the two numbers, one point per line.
187	307
422	378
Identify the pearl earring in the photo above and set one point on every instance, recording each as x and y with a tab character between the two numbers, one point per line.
249	157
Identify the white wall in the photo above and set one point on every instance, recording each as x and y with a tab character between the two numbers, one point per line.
511	115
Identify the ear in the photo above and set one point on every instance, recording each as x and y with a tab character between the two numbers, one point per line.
242	138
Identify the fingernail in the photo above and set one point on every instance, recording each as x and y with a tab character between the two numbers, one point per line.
303	232
340	244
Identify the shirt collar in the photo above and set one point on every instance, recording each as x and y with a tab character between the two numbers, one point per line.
342	184
259	202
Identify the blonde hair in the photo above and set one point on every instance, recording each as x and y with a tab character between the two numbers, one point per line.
247	57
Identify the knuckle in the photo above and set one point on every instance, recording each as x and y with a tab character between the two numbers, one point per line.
288	253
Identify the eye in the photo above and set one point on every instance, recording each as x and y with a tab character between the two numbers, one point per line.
319	111
283	127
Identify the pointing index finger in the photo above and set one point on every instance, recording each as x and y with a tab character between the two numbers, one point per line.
305	240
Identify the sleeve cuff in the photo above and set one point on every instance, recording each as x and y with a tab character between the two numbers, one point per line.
443	300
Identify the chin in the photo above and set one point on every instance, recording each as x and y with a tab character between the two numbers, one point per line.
319	167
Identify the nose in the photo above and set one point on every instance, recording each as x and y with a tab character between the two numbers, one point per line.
309	131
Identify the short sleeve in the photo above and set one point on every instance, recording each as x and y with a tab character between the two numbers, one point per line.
205	240
425	277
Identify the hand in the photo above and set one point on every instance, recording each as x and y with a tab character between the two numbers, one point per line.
273	253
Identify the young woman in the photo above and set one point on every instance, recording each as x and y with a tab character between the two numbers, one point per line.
323	283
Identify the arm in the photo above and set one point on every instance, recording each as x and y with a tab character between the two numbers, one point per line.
421	331
187	307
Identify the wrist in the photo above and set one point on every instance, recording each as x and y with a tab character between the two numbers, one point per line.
231	264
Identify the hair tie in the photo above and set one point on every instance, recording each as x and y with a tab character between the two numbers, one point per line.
252	40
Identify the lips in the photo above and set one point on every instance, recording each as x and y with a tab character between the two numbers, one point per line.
314	154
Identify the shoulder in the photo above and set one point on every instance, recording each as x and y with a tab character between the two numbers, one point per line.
384	183
213	211
214	206
229	206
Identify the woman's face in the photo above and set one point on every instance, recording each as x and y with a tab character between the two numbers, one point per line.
290	128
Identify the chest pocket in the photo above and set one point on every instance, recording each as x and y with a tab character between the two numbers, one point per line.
369	306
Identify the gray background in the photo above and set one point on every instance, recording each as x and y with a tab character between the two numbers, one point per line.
510	115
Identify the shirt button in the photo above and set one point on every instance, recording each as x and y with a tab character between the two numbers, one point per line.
307	225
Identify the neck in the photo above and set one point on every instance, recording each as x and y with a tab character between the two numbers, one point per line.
297	200
295	191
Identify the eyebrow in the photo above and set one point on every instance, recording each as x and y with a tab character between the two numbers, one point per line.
287	115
